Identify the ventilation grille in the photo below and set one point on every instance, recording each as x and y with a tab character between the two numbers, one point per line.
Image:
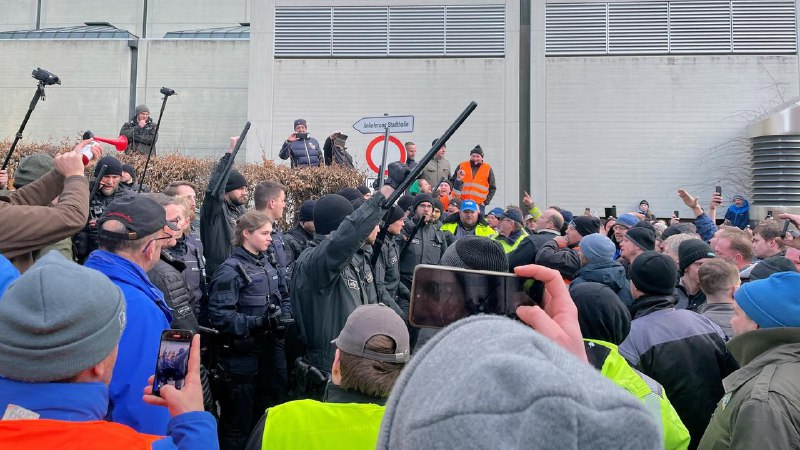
466	31
776	170
671	27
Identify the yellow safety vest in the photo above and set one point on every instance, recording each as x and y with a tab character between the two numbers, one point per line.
475	188
480	229
508	248
310	424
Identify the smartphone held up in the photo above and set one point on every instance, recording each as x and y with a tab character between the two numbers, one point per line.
173	359
443	295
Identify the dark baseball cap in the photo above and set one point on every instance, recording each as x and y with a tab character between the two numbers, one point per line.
513	214
367	321
141	215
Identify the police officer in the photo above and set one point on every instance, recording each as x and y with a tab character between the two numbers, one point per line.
387	268
244	307
86	240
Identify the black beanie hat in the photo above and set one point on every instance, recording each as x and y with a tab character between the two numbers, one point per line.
405	202
114	167
350	193
393	215
643	237
692	250
235	181
129	168
645	224
773	264
476	253
307	211
329	212
437	204
654	273
678	228
364	190
586	225
601	313
422	198
357	203
477	150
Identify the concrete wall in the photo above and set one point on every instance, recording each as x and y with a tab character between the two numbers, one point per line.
171	15
622	129
93	94
18	15
126	15
211	101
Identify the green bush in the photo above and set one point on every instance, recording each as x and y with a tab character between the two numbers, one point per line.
301	183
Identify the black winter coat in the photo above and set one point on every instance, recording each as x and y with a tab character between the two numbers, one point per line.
218	218
167	277
527	250
140	140
566	260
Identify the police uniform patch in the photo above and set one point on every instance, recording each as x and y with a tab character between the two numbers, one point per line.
368	277
352	284
725	399
393	260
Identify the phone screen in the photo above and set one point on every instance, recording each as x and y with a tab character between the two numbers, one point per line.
173	359
443	295
718	189
301	135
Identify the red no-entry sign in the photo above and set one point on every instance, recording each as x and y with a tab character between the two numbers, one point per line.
396	151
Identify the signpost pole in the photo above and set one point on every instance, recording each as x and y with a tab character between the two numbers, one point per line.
384	163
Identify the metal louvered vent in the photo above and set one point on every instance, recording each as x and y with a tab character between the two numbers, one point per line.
416	31
671	27
466	31
775	142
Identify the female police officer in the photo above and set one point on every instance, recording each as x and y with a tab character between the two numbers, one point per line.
244	307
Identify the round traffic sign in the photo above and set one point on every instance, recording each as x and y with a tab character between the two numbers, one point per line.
395	152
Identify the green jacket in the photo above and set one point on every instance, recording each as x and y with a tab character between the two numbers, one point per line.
605	357
761	405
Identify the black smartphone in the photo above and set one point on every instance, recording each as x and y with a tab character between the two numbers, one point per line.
785	229
719	190
301	135
769	215
676	213
173	359
443	295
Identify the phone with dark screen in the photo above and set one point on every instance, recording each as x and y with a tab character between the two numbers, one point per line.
719	190
173	359
443	295
301	135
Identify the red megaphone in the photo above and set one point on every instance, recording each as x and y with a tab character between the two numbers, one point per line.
120	143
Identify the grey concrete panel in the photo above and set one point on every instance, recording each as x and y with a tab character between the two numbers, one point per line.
622	129
18	15
126	15
94	76
210	78
176	15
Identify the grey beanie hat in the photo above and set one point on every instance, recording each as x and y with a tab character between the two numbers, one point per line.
31	168
140	109
57	320
476	253
492	382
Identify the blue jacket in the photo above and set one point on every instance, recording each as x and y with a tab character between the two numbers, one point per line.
705	227
739	216
303	152
83	402
147	316
8	273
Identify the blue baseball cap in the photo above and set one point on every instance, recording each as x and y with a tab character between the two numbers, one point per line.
469	205
497	212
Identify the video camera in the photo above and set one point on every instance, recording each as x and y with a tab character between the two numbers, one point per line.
47	78
167	91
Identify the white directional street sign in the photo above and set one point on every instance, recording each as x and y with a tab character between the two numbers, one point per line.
378	125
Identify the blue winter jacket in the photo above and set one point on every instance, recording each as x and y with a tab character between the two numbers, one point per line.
83	402
147	316
739	216
610	273
8	273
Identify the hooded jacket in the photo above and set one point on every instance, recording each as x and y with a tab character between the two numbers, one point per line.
74	413
739	216
147	316
683	351
759	409
609	273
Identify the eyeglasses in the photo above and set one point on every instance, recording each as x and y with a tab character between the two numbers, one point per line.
163	238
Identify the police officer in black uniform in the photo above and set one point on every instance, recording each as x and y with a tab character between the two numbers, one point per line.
108	190
244	305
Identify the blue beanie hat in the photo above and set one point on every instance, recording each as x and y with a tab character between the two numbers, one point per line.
597	247
629	220
772	302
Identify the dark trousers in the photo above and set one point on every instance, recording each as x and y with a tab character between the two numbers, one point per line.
253	381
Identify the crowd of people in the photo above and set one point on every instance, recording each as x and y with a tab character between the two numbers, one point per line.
650	333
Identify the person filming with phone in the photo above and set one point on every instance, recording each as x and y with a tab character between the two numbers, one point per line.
60	331
301	148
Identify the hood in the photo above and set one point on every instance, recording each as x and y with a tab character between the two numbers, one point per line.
610	273
740	209
601	314
491	382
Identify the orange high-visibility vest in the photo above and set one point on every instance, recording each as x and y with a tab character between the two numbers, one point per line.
37	434
477	187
